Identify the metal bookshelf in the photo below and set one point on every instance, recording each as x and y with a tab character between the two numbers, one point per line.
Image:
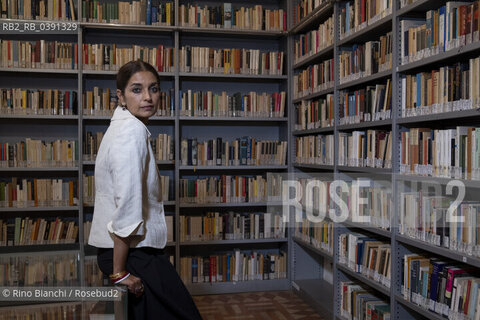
39	209
365	124
235	32
313	166
317	56
173	36
310	247
440	116
365	33
419	6
365	80
229	205
39	169
360	277
456	54
38	117
233	119
364	169
444	252
230	242
323	10
422	311
307	259
312	131
304	258
236	168
239	286
232	76
40	248
314	95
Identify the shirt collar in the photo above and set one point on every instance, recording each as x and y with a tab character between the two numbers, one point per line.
124	114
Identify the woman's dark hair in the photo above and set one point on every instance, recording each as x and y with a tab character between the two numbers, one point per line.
129	69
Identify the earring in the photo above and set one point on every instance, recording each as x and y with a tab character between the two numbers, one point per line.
124	107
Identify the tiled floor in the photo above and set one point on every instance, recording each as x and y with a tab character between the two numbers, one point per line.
272	305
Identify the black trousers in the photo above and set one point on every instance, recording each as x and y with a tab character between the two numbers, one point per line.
165	296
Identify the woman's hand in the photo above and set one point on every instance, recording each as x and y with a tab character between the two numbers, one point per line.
134	285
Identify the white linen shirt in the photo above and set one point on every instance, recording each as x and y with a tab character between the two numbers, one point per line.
127	187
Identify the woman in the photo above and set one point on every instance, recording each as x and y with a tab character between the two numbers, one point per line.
128	223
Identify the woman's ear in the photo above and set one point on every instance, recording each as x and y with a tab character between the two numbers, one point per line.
121	99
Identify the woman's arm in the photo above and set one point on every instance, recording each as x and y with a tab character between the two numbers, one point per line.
120	254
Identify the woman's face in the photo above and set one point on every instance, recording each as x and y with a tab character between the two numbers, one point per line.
141	96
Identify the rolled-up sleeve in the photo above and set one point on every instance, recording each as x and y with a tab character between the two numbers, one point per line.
128	157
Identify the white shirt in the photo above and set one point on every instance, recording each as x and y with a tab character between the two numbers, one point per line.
127	187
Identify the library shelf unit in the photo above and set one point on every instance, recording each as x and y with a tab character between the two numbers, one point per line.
309	262
313	273
239	286
175	125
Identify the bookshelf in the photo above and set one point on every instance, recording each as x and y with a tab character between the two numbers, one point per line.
177	126
310	261
313	272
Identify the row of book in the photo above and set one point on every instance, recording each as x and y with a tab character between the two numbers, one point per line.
358	14
366	59
451	26
229	189
89	188
39	54
87	226
439	221
28	231
26	193
451	153
253	104
38	102
318	234
314	41
231	226
45	269
441	286
446	89
359	302
110	57
143	12
241	151
32	153
313	114
304	8
233	267
313	79
42	54
102	102
372	103
372	148
315	149
228	17
365	255
163	146
230	61
367	200
39	10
